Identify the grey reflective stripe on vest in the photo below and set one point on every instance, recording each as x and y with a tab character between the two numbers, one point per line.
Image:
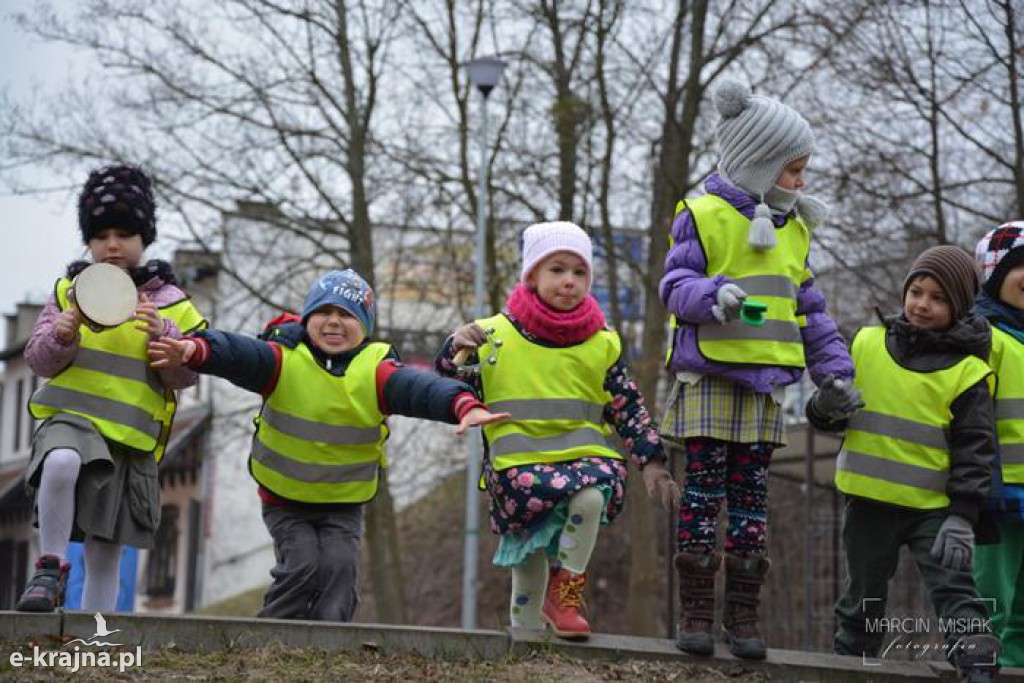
767	285
772	330
99	407
550	409
898	428
338	435
520	443
1011	453
118	366
893	471
1010	408
313	473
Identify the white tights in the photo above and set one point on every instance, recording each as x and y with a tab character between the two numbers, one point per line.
56	503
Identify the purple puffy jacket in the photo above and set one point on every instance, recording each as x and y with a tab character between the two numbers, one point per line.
689	294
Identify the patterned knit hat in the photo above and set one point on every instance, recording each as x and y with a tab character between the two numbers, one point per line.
999	252
954	269
757	137
119	196
346	290
540	240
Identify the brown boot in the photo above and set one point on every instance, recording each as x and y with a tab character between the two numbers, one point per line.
744	577
697	601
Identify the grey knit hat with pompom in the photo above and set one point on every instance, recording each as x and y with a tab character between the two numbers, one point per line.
757	138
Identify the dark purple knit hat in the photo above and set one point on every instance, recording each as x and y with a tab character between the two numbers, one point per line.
119	196
954	269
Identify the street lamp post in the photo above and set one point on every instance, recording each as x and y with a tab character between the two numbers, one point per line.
484	73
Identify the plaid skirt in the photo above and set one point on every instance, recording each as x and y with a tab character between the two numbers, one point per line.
712	407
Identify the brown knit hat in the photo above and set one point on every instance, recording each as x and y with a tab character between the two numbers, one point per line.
954	269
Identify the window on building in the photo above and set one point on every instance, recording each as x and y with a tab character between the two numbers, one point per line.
162	566
19	400
2	396
31	424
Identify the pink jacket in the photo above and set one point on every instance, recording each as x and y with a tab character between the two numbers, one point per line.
46	355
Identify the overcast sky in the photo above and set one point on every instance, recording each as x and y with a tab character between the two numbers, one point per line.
40	233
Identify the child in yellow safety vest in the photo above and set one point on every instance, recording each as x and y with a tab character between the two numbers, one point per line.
552	472
319	447
745	242
916	462
106	415
999	566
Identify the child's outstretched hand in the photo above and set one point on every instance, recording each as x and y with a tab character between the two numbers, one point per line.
166	352
65	327
478	416
660	485
147	314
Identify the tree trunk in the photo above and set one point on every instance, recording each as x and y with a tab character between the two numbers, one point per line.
670	179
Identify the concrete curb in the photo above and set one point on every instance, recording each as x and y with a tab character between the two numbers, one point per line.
205	634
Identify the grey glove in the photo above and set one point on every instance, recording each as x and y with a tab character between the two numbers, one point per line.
730	299
836	399
954	544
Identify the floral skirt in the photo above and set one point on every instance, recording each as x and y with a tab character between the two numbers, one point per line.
524	498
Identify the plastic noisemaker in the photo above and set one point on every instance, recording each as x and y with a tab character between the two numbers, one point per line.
752	312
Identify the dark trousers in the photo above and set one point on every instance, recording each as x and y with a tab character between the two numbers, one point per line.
317	554
872	536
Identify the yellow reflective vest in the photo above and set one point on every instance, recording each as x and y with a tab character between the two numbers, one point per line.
556	396
1007	360
772	277
896	448
109	381
320	438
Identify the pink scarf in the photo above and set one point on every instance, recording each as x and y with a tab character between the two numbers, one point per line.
558	327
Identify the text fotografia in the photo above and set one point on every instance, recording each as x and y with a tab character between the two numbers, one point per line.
76	659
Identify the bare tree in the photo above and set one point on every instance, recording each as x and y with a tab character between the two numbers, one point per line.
249	99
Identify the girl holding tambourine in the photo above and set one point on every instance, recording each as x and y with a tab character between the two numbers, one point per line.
106	414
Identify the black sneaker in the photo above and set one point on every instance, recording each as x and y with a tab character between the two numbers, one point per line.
45	592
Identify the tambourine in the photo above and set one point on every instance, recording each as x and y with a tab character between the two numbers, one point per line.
105	295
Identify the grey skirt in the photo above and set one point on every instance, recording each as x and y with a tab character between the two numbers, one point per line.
117	497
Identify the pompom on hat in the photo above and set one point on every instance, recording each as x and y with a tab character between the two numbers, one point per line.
540	240
118	196
998	252
346	290
757	138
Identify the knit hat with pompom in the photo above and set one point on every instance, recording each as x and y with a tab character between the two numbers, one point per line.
757	138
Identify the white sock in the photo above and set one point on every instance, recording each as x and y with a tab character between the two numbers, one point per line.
56	500
102	575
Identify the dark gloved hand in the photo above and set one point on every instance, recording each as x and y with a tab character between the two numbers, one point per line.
729	299
954	544
836	399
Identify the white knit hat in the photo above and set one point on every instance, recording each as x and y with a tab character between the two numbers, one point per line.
540	240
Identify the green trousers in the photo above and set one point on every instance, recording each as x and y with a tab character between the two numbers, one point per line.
999	572
873	534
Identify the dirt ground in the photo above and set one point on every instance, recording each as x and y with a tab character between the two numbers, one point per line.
281	664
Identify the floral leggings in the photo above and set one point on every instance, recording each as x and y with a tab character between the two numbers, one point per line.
737	472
